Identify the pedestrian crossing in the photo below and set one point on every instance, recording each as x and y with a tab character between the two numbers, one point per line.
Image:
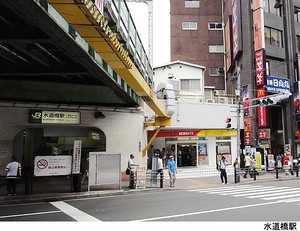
268	193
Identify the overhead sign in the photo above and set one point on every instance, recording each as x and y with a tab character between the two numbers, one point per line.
54	117
52	165
276	84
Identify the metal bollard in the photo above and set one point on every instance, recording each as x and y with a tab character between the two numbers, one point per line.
235	176
161	180
276	173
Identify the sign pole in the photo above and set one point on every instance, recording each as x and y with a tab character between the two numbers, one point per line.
238	94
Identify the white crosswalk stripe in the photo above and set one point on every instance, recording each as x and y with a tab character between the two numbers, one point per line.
281	194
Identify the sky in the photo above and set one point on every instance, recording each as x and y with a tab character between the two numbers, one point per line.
161	28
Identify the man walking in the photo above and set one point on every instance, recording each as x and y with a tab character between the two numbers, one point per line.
247	164
12	169
172	171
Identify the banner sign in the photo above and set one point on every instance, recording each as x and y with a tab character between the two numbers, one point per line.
237	28
261	111
275	84
52	165
264	133
260	67
297	100
54	117
76	156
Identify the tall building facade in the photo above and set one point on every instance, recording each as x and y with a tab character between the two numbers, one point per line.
197	37
262	46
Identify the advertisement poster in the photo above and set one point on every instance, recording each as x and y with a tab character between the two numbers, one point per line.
52	165
271	162
258	160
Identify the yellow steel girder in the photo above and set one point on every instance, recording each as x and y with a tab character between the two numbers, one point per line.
90	24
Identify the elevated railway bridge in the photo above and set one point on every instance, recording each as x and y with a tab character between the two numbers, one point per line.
72	69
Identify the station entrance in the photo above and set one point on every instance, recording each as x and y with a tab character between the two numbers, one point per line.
55	144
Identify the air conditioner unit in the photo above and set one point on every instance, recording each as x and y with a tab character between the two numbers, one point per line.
221	70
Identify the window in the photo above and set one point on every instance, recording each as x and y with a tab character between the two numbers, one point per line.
216	71
297	14
298	43
190	84
191	4
189	25
273	7
216	49
273	37
215	26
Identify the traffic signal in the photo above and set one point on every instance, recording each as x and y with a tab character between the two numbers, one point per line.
271	100
228	123
266	102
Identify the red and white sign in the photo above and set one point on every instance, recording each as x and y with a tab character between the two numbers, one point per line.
261	111
52	165
247	138
264	133
259	67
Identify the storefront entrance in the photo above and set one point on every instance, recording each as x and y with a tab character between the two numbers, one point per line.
187	154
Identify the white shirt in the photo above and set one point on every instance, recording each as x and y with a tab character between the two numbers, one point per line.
247	161
159	164
12	169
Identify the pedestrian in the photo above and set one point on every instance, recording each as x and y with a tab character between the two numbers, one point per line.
247	164
222	168
131	166
160	166
172	171
13	169
286	163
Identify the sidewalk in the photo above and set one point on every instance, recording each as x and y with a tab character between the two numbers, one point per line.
180	184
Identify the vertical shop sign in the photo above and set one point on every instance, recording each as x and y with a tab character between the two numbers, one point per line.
261	111
76	156
260	67
247	114
258	24
236	28
297	100
228	44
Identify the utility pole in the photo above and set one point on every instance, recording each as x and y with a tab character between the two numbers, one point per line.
238	127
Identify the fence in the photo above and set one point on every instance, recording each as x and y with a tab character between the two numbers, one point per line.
253	173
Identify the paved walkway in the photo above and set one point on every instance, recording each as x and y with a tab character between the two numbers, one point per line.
180	184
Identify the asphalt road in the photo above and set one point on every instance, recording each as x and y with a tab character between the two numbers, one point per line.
274	201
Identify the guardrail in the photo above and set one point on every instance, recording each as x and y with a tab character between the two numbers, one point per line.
238	172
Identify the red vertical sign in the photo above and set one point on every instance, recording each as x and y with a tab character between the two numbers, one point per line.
261	111
260	67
